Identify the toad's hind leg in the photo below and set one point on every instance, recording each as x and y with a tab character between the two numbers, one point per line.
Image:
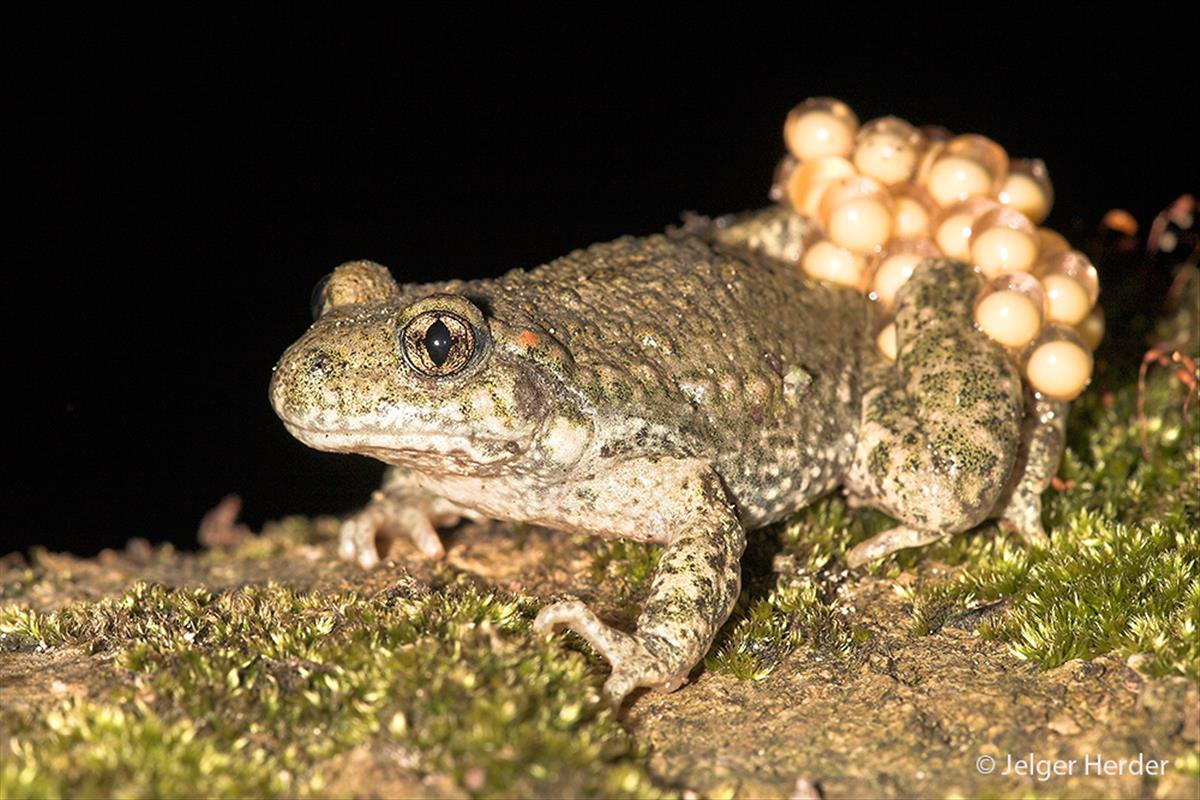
693	592
940	427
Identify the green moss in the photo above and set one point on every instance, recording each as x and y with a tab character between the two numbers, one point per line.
822	532
258	690
17	582
103	750
625	567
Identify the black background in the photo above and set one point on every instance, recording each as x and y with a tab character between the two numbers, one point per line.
182	184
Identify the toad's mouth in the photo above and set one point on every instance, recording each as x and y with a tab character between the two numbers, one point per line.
441	450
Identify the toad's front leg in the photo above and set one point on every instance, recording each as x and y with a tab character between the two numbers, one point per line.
692	594
402	507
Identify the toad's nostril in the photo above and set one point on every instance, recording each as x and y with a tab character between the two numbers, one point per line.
319	363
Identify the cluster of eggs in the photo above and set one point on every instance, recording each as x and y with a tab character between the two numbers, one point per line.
887	195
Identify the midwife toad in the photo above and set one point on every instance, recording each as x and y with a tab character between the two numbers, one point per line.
677	389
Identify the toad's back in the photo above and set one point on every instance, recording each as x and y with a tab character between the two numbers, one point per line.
685	349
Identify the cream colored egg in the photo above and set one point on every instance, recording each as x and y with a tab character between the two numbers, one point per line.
807	185
910	220
886	342
1091	330
1009	317
819	133
1078	268
955	178
886	156
1059	369
1026	195
861	225
1067	300
828	262
953	235
891	274
1000	249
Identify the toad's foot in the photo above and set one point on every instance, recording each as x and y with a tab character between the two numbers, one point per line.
399	509
636	660
887	542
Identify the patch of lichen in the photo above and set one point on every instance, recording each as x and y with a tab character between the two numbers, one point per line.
257	690
1122	572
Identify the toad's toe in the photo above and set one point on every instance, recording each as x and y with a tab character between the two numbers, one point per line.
633	662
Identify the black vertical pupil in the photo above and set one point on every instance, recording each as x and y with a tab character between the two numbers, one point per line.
437	342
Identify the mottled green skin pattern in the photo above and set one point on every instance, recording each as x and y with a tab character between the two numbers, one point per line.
675	389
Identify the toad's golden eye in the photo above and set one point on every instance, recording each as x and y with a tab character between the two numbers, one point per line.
438	343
